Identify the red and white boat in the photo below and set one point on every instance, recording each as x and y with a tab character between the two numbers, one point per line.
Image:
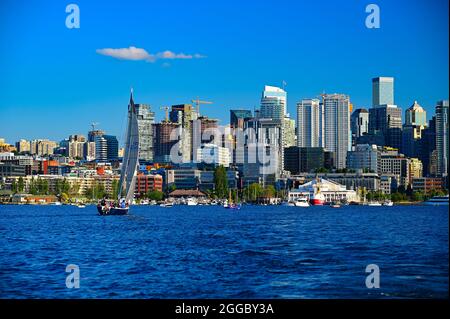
317	198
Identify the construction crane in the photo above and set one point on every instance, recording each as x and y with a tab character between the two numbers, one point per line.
166	109
198	102
93	125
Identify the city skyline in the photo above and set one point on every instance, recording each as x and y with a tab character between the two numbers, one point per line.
37	89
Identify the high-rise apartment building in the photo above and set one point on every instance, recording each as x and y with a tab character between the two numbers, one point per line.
337	136
309	123
145	118
162	134
273	103
442	127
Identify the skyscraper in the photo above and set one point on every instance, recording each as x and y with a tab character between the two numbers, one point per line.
309	123
337	136
273	103
415	122
145	118
442	142
415	115
163	143
112	147
184	114
237	118
382	91
359	123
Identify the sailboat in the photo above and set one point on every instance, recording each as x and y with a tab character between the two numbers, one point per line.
129	169
230	204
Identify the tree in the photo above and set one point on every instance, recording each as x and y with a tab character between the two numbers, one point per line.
221	181
155	195
14	186
253	191
269	191
115	189
398	197
21	184
33	187
417	196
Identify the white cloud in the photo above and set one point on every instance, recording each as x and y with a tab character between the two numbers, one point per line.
138	54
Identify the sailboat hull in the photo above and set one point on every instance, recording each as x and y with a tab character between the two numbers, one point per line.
112	211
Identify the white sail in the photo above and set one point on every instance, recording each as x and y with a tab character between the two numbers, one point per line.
130	160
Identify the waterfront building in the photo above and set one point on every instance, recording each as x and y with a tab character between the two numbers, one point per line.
309	123
332	191
146	183
273	103
427	184
337	126
352	181
442	137
382	91
196	179
364	157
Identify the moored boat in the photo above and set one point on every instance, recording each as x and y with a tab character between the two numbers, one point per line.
301	202
437	200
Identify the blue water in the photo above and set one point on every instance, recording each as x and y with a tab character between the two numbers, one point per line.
211	252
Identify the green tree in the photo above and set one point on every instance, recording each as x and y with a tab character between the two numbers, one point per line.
270	191
33	187
417	196
221	182
253	191
155	195
21	184
14	186
115	189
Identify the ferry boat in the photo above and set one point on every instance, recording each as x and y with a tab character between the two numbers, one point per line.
437	201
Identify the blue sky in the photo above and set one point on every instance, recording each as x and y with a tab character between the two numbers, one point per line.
53	82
